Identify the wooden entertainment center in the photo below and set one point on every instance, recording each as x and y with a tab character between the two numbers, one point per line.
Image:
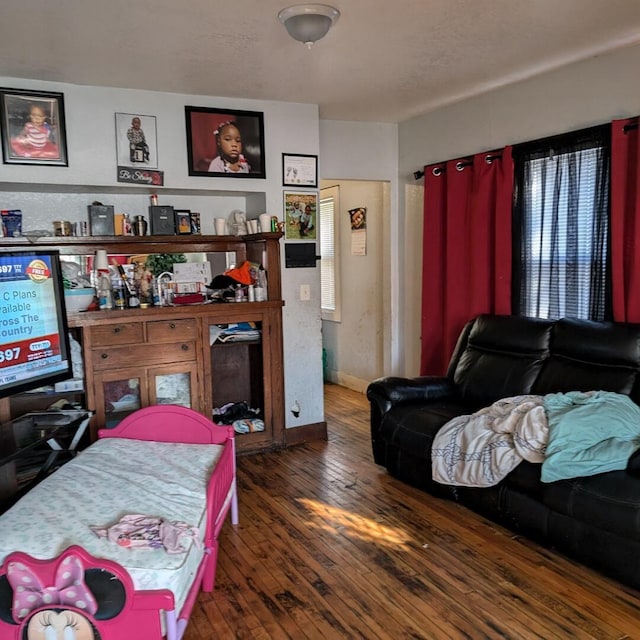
158	348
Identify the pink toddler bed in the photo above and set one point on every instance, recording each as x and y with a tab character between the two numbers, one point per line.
60	580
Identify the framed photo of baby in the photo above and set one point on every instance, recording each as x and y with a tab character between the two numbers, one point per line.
33	127
225	143
136	141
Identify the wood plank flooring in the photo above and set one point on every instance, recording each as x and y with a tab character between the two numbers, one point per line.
329	546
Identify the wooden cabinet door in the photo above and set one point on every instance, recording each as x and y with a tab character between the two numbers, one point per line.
119	393
123	391
175	384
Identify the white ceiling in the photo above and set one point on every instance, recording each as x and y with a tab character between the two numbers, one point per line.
384	60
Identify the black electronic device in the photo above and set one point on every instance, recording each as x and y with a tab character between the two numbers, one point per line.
101	220
300	254
163	221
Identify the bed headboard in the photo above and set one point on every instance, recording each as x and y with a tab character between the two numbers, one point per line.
169	423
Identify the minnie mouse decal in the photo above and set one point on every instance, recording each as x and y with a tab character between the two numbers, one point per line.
68	608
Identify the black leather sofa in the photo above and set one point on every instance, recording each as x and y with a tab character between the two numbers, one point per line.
593	519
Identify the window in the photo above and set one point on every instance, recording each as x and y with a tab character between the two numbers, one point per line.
561	226
328	227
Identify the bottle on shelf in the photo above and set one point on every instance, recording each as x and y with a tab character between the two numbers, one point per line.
119	294
105	292
127	227
131	293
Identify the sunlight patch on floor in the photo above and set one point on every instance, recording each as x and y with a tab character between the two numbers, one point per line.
335	520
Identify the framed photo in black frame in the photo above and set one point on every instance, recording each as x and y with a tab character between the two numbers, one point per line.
33	127
225	143
299	170
183	221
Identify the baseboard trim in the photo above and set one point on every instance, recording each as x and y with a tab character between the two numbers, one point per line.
345	380
305	433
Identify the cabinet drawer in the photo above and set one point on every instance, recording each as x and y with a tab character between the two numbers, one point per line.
143	355
121	333
171	330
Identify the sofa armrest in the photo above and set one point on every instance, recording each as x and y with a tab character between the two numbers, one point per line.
390	391
385	393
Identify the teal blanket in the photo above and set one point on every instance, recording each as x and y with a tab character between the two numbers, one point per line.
589	433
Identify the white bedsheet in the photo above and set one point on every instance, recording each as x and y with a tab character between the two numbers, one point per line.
109	479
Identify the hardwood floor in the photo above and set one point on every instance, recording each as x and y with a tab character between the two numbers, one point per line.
330	546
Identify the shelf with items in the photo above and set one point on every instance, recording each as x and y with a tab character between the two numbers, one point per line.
249	372
162	353
262	248
41	204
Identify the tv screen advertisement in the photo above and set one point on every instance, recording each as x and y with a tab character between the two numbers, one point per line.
34	342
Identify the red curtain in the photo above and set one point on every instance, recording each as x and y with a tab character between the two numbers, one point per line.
625	220
466	249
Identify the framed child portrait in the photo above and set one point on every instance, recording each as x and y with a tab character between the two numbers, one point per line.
33	127
225	143
300	215
183	221
136	141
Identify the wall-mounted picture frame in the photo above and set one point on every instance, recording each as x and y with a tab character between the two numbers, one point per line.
183	221
33	127
300	215
299	170
225	143
136	141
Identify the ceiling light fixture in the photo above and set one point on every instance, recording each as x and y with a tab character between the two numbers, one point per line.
308	22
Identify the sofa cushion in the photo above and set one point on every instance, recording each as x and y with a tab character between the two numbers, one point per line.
412	426
591	356
502	358
526	478
609	501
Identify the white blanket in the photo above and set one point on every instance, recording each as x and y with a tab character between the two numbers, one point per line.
479	450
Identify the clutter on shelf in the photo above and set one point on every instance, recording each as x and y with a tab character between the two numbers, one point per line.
240	415
234	332
246	283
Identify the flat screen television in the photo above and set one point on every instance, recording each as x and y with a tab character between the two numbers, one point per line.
34	337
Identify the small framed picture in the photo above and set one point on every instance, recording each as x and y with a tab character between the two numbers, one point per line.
183	221
300	215
33	127
195	222
299	170
136	144
225	143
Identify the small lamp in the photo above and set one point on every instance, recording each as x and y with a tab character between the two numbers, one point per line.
308	22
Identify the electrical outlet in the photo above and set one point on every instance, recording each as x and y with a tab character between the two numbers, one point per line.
305	292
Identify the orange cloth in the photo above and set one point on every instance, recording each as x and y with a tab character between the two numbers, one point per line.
241	274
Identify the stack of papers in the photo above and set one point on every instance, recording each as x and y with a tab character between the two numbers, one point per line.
234	332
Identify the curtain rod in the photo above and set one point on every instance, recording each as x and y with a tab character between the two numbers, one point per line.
630	126
460	165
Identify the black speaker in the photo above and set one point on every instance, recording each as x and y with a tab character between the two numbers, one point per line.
163	222
101	221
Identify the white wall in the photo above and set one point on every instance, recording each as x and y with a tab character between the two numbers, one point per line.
355	345
352	154
580	95
91	174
